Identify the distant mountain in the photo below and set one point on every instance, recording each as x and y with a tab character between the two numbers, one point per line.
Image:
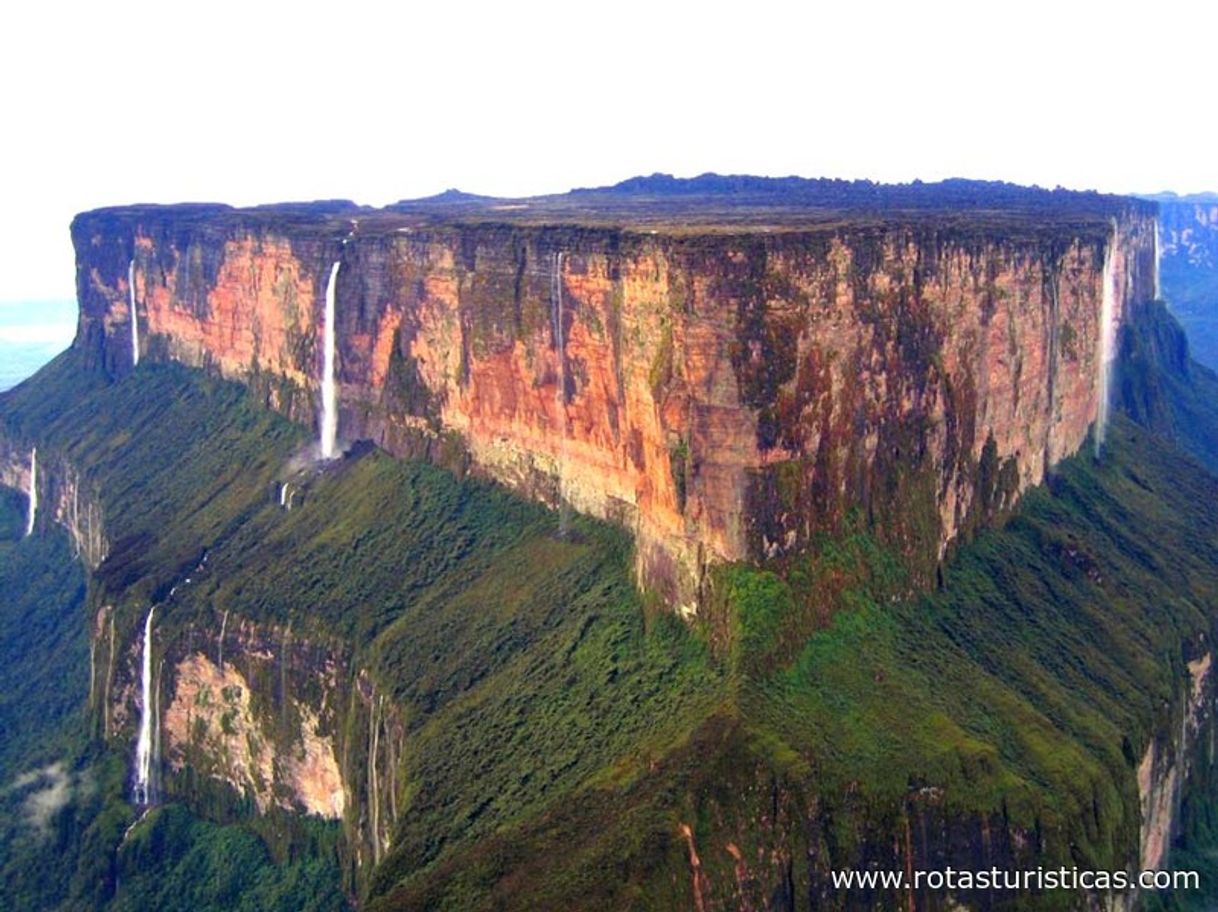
1189	267
451	195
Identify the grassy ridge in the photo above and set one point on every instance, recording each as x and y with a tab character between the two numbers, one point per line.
524	663
1039	671
175	462
1023	692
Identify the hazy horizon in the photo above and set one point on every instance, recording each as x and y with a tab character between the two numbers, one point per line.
31	334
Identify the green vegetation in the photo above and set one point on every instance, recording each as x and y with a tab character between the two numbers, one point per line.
678	465
175	462
175	862
566	745
1022	694
523	663
42	591
62	806
660	374
1160	385
1017	683
42	641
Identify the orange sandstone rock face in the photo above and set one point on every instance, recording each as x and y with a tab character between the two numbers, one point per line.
256	313
211	716
276	717
725	396
1164	768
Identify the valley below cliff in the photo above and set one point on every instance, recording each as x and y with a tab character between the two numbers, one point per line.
672	561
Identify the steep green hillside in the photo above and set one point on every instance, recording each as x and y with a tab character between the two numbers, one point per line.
1021	693
525	663
42	591
567	744
1162	388
44	658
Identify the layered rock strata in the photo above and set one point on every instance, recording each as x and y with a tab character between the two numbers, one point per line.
726	392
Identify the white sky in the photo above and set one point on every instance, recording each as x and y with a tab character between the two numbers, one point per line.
117	102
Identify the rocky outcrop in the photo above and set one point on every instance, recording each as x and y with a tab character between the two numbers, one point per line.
212	720
1166	765
265	716
727	392
64	497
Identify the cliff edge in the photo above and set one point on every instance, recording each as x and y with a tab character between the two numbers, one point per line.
728	367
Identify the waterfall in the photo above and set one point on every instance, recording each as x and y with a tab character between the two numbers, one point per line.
1158	290
143	747
32	511
223	627
329	396
135	322
1108	332
560	396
